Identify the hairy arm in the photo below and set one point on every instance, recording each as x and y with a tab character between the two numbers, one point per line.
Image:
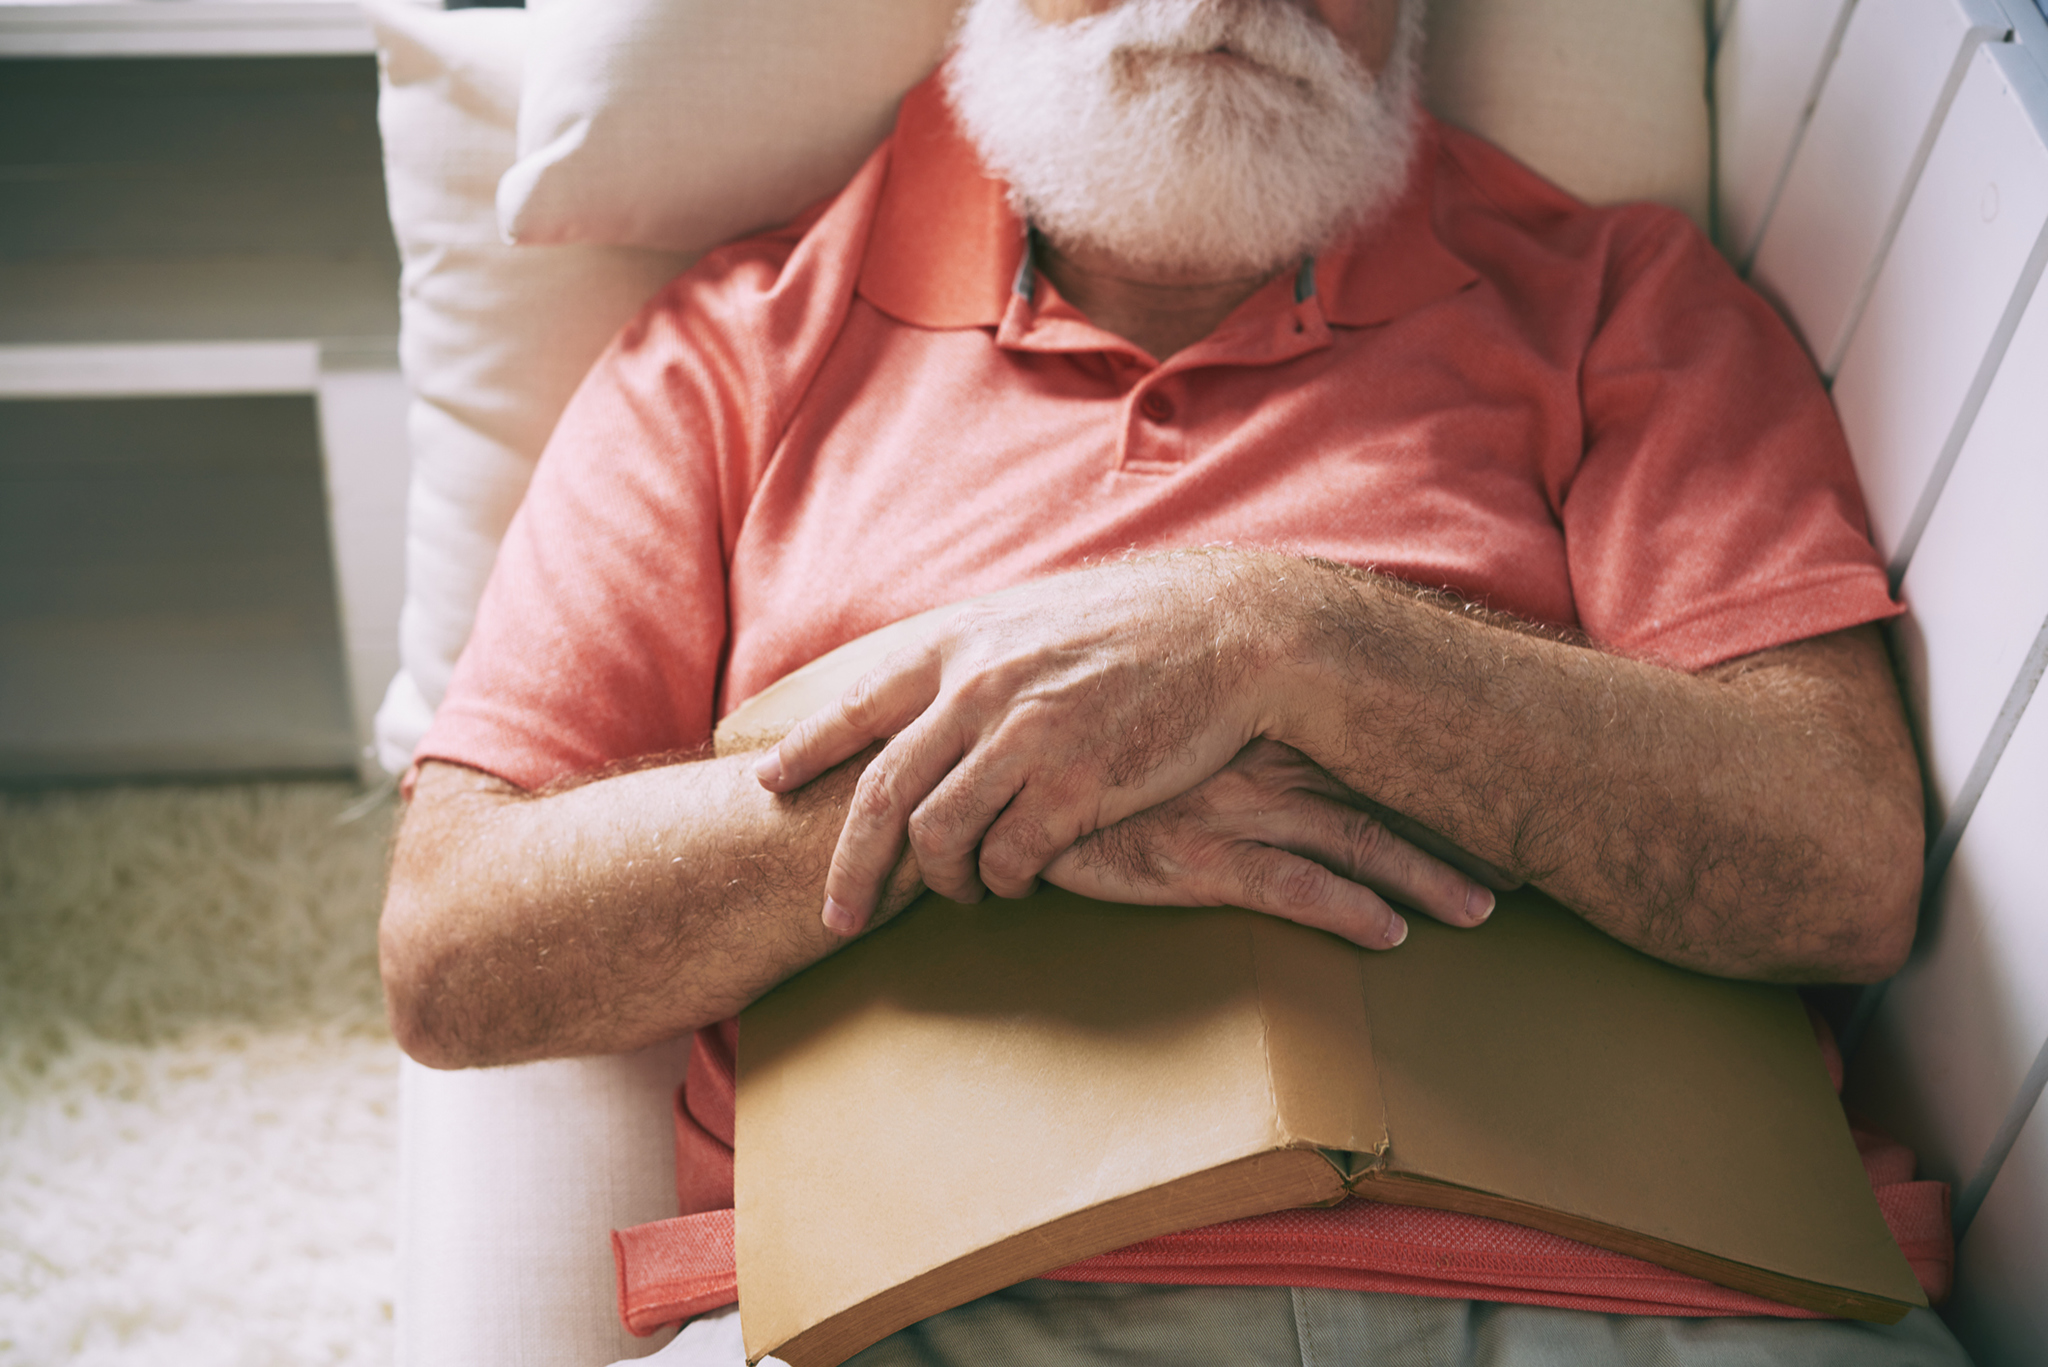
636	905
1761	819
1187	729
605	916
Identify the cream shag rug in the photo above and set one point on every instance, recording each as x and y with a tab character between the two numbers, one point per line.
198	1131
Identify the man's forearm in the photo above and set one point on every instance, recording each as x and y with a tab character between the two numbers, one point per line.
601	917
1760	819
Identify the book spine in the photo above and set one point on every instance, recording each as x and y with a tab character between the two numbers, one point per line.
1319	1059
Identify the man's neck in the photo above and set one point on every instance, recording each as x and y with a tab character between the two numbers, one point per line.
1161	314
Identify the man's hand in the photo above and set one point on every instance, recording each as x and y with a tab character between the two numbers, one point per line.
1272	832
1035	718
1758	819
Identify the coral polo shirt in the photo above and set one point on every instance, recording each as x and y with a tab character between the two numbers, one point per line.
1577	416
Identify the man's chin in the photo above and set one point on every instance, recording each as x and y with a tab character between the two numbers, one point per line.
1200	159
1207	79
1220	59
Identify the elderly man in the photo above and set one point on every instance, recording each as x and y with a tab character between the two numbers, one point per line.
1376	524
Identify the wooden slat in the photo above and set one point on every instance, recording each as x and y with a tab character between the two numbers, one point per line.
189	28
1767	70
2000	1309
51	372
1960	1028
1977	587
166	601
1883	98
1949	295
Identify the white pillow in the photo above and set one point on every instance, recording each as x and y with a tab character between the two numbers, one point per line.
492	338
1605	97
682	123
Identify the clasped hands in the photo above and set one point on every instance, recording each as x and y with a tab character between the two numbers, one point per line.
1122	733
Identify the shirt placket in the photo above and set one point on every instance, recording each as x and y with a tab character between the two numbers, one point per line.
1155	431
1161	422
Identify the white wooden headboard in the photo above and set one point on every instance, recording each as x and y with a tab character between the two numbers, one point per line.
1883	178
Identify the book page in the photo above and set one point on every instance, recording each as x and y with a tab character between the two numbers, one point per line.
1538	1059
968	1074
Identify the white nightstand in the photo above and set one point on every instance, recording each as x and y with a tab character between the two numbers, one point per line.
198	323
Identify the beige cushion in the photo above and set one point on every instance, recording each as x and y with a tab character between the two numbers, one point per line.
1608	98
492	338
511	1181
752	111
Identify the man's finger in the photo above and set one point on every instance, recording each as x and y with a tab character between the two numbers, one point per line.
877	822
1431	843
946	831
1367	851
1312	777
1035	825
1262	878
880	704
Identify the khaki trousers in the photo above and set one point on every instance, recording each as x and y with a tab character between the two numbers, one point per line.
1072	1324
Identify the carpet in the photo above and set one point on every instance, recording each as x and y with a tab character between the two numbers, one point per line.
198	1130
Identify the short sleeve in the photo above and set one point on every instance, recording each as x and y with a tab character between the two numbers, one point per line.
600	634
1715	512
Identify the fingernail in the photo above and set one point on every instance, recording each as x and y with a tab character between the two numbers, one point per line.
838	917
1487	902
768	768
1397	931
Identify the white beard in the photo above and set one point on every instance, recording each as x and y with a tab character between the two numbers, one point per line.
1117	133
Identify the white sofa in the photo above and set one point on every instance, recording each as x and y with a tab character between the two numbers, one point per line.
1882	174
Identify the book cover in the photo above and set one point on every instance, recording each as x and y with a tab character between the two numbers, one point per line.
970	1096
973	1095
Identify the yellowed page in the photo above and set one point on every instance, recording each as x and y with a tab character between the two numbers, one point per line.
1539	1060
968	1074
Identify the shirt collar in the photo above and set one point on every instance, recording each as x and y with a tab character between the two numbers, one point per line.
947	251
945	246
1397	264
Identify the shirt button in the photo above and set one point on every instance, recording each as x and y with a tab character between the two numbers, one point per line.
1157	407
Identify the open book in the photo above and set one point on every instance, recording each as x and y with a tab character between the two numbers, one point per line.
971	1096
